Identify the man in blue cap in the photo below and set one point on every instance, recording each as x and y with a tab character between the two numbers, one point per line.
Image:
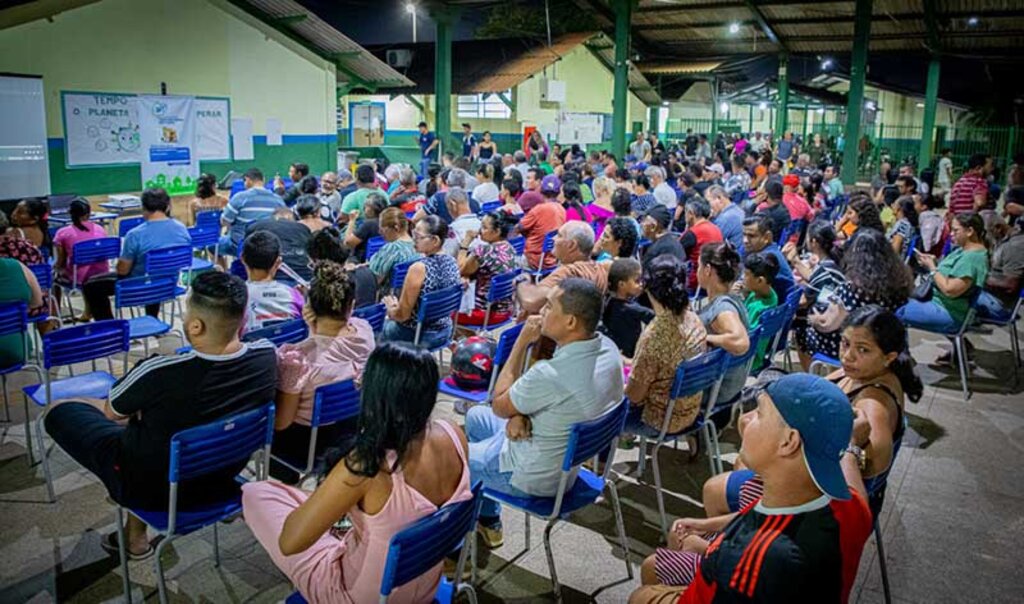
802	540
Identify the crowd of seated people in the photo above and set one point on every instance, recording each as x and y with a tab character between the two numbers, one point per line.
608	312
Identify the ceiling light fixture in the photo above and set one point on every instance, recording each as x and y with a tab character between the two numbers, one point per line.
972	21
734	28
826	64
724	107
762	105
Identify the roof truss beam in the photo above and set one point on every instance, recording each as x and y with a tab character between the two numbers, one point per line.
764	25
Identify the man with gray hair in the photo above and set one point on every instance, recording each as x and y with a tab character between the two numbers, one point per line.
329	196
464	220
726	215
662	191
699	231
574	243
520	163
454	178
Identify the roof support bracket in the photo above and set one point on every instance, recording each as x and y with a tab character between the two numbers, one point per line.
415	102
507	101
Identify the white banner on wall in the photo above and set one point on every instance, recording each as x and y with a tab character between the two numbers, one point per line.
167	133
241	138
212	122
102	129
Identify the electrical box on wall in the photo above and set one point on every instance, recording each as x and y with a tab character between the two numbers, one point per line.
552	91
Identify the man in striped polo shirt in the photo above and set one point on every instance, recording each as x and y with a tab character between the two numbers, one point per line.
256	202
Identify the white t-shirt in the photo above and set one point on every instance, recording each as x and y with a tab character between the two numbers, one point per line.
485	192
945	173
665	195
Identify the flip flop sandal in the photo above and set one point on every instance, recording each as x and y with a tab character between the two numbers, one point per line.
110	545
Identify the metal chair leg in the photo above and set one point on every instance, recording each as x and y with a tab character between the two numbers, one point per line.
642	465
659	494
551	560
43	457
7	403
126	584
881	564
958	344
706	433
161	582
216	546
526	524
620	526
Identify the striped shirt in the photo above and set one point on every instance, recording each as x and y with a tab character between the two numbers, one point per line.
961	198
249	206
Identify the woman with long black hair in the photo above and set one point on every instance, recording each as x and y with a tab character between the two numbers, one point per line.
81	229
401	467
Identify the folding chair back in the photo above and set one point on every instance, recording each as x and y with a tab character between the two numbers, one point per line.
373	245
13	320
208	218
335	402
285	332
773	321
490	206
374	315
44	275
398	273
502	287
126	224
169	260
423	544
504	349
437	305
910	248
701	373
597	436
141	291
79	343
518	244
103	249
204	236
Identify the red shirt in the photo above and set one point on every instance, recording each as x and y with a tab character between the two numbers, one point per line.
536	224
798	207
703	232
808	555
961	198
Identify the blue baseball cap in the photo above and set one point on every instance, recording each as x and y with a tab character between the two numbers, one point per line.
822	414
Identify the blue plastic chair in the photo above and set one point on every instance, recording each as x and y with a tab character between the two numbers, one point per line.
595	438
374	314
422	545
822	364
501	288
909	254
490	206
44	276
1011	322
126	224
745	360
68	346
702	373
292	331
792	304
540	272
103	249
501	354
436	305
957	334
373	245
518	244
169	260
197	452
204	238
141	291
14	320
208	218
398	273
773	324
332	403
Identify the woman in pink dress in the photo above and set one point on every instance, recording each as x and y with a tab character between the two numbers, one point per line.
401	467
81	229
601	210
572	200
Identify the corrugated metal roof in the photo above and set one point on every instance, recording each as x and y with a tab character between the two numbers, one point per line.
604	48
678	67
516	71
355	64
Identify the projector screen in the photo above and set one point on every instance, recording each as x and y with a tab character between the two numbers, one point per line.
24	168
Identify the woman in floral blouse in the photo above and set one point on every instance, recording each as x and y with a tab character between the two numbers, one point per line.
481	261
676	334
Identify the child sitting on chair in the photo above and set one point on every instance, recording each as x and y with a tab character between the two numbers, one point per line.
270	301
759	272
623	319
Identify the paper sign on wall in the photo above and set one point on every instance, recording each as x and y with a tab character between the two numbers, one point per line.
241	138
212	140
273	132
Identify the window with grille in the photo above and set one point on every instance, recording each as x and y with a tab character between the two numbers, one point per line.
484	106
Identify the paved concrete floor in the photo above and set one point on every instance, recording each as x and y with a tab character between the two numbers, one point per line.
952	524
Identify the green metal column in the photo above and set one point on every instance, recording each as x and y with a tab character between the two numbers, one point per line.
782	113
444	20
931	97
623	16
750	119
855	100
652	119
803	134
712	136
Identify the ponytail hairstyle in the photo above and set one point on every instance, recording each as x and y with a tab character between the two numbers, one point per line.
79	211
723	259
206	186
40	211
665	281
906	205
503	222
574	198
891	336
824	233
331	291
487	171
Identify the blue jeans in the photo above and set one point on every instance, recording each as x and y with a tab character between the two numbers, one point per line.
396	332
424	165
227	246
990	307
930	316
486	434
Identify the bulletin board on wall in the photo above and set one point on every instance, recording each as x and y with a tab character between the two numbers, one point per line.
102	129
580	128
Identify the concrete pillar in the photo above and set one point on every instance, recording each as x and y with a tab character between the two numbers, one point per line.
931	98
623	15
855	98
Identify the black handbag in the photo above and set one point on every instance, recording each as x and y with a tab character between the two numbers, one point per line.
923	290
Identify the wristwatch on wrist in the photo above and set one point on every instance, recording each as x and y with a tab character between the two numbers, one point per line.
858	454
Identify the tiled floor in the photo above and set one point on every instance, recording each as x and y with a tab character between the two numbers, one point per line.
952	525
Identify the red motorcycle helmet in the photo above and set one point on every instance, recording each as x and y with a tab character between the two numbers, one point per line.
473	363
